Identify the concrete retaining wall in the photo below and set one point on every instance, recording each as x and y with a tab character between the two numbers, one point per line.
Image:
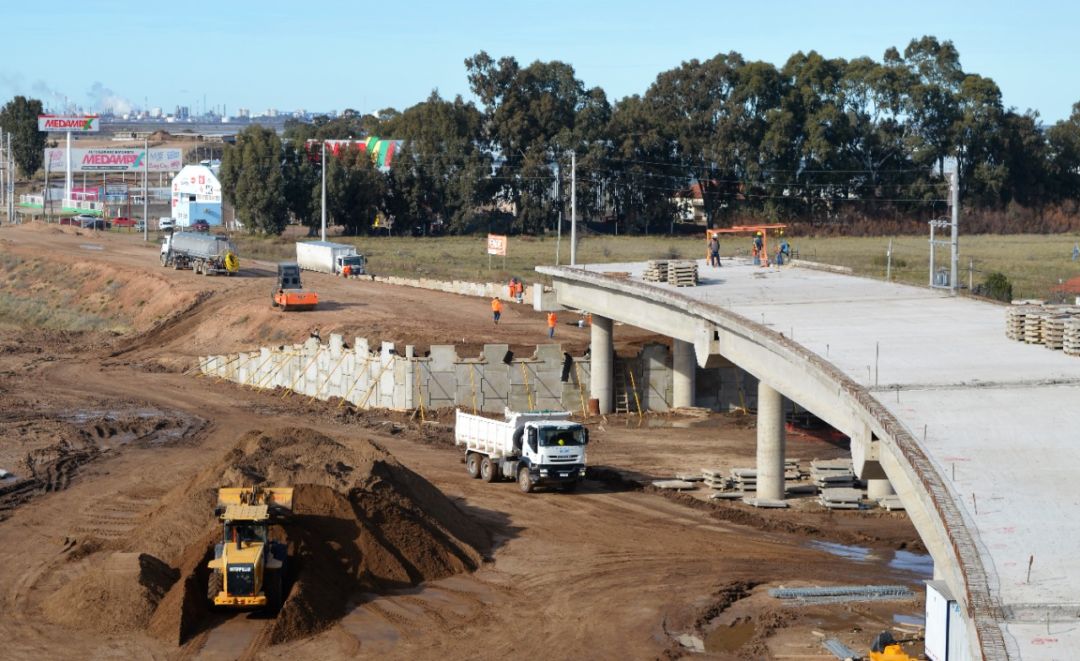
383	377
541	297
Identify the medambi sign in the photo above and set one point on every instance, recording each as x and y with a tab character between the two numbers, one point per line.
73	123
115	160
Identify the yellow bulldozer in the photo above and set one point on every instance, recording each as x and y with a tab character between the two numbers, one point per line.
248	569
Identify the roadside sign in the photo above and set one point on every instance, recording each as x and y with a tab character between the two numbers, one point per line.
114	159
72	123
496	244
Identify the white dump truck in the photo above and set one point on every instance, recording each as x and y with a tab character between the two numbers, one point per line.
329	257
535	449
202	253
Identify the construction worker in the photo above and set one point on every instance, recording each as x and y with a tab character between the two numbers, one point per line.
496	309
520	291
552	320
714	251
511	288
346	271
759	243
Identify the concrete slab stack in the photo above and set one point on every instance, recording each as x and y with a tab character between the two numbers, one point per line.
1033	322
682	274
832	473
842	498
1015	319
1070	339
656	270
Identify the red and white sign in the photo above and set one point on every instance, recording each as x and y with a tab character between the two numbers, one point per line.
73	123
114	160
497	244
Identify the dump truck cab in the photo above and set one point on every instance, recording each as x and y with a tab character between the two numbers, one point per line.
248	567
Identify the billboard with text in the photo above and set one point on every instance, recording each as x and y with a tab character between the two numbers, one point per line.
72	123
114	160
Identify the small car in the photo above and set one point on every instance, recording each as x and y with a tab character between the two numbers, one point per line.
200	226
165	224
123	221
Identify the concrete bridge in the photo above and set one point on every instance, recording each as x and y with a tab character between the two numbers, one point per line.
978	435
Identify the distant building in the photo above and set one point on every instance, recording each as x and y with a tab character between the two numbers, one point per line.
155	113
196	195
244	113
182	112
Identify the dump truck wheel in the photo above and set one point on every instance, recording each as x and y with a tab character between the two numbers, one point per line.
489	470
472	464
525	482
214	585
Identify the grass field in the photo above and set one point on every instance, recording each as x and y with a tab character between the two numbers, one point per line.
1033	263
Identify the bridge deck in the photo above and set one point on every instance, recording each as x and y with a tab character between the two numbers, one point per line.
1001	418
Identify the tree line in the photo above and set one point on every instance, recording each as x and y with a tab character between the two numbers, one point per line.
830	141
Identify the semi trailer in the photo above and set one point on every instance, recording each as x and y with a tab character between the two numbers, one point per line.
535	449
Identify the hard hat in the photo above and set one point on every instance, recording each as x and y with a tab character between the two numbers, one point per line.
759	233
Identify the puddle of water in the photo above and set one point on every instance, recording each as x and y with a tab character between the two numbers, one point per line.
916	620
729	638
918	564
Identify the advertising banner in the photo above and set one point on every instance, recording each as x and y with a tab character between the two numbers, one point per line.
114	160
73	123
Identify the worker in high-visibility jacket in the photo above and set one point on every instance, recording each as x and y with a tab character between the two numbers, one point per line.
552	320
496	309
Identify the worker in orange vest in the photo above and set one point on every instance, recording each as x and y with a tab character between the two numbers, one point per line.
346	270
520	293
552	320
496	309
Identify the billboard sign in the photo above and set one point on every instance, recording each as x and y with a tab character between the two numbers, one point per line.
73	123
496	244
114	160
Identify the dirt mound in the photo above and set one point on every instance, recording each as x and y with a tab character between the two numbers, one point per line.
361	522
117	593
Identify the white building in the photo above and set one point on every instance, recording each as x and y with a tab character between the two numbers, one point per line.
196	195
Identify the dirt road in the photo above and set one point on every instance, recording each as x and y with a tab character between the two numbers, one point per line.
614	571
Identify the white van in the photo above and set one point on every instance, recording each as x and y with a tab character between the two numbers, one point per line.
165	223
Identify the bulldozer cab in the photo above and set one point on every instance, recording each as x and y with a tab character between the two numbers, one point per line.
289	275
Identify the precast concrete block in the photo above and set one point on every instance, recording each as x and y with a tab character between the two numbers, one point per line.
549	353
442	388
493	353
443	357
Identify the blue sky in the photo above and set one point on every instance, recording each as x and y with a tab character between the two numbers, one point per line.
322	55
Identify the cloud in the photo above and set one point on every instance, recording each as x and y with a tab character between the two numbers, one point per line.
104	99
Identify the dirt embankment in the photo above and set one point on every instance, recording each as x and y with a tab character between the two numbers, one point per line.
361	522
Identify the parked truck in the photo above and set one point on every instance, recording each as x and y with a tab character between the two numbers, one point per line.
536	449
329	257
203	253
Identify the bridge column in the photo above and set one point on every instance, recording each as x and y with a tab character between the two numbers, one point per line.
879	489
684	367
770	443
601	354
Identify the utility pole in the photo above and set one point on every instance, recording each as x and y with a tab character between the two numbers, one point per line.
573	209
954	199
558	197
146	190
3	174
323	235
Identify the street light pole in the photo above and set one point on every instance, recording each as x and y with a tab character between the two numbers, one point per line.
323	235
573	209
146	190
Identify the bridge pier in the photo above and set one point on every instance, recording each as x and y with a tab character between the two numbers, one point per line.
770	443
879	489
601	357
684	368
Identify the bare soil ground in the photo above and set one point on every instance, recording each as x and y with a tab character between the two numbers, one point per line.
115	451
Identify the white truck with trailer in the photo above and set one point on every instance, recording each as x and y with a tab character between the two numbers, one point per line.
329	257
202	253
535	449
